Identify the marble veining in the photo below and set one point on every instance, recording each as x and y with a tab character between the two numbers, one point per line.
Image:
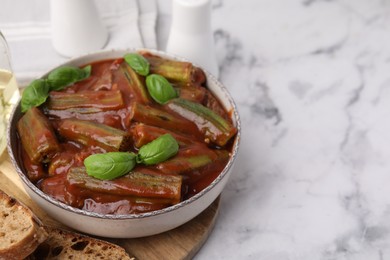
311	79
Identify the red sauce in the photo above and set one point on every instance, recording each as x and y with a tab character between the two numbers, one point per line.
51	176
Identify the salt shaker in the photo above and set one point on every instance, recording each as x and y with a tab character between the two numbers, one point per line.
76	27
191	35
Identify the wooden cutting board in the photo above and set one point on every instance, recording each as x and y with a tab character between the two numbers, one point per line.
180	243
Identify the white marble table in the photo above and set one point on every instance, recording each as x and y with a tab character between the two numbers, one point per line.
311	79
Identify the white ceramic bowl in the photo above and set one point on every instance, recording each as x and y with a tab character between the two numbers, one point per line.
131	225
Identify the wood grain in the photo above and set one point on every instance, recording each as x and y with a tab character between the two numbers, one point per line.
180	243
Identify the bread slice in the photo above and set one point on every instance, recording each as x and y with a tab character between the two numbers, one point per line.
20	230
63	244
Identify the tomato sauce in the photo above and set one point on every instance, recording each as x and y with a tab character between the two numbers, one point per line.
199	162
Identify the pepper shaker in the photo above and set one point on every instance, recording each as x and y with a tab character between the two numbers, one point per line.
191	36
76	27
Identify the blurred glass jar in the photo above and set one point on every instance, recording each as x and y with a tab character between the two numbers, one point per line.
9	91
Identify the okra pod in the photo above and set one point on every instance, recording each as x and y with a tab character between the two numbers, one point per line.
140	182
212	103
214	128
86	101
160	118
104	82
90	133
132	83
61	163
34	171
37	136
143	134
191	159
193	93
182	73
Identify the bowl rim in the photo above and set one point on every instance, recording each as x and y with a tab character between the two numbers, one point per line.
235	116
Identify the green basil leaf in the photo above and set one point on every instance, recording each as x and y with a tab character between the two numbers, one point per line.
35	94
138	63
108	166
86	72
159	150
64	76
160	89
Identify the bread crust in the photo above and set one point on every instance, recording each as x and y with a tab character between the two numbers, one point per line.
32	232
23	236
63	244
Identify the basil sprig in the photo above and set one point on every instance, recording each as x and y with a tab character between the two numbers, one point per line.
160	89
158	150
38	90
138	63
108	166
64	76
158	86
35	94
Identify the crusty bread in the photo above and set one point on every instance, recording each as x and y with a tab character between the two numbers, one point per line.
20	231
22	235
63	244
